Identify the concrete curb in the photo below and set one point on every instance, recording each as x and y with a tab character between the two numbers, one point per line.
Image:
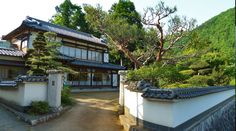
33	122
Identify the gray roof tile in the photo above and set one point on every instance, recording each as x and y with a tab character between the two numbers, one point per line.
74	61
11	52
182	93
46	26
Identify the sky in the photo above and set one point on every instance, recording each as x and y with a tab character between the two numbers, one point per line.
13	12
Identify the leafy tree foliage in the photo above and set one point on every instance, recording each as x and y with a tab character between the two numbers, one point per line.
70	15
126	9
117	30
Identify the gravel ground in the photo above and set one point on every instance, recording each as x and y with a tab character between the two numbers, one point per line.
94	111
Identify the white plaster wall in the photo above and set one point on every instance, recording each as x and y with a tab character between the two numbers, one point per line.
25	93
12	95
186	109
34	91
152	111
18	43
171	113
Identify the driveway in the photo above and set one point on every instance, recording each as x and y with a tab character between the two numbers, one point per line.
93	112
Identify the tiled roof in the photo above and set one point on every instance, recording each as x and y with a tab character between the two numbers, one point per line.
74	61
8	84
19	79
46	26
11	52
98	65
31	78
182	93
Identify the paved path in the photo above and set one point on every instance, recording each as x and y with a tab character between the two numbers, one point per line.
9	122
94	112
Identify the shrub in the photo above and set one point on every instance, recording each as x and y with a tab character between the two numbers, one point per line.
232	82
219	77
205	71
188	72
39	108
178	85
185	85
66	96
199	65
156	74
199	80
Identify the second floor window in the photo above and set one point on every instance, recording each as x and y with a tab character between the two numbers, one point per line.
81	53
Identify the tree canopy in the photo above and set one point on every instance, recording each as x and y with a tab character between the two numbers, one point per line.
120	32
70	15
126	9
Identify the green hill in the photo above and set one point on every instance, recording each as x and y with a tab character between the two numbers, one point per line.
220	30
215	42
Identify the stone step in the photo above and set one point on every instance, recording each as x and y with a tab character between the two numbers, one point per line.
128	123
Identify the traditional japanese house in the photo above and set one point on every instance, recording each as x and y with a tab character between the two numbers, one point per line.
11	61
83	52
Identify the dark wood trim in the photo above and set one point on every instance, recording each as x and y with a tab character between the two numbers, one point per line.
111	78
91	77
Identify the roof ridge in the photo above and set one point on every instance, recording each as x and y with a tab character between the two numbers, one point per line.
58	26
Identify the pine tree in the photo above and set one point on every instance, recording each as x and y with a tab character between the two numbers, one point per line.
35	60
44	55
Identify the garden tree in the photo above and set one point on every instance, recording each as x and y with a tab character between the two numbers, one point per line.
177	27
146	52
126	9
110	26
36	59
70	15
44	55
117	30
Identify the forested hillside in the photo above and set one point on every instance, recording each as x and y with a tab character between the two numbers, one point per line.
219	29
215	39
